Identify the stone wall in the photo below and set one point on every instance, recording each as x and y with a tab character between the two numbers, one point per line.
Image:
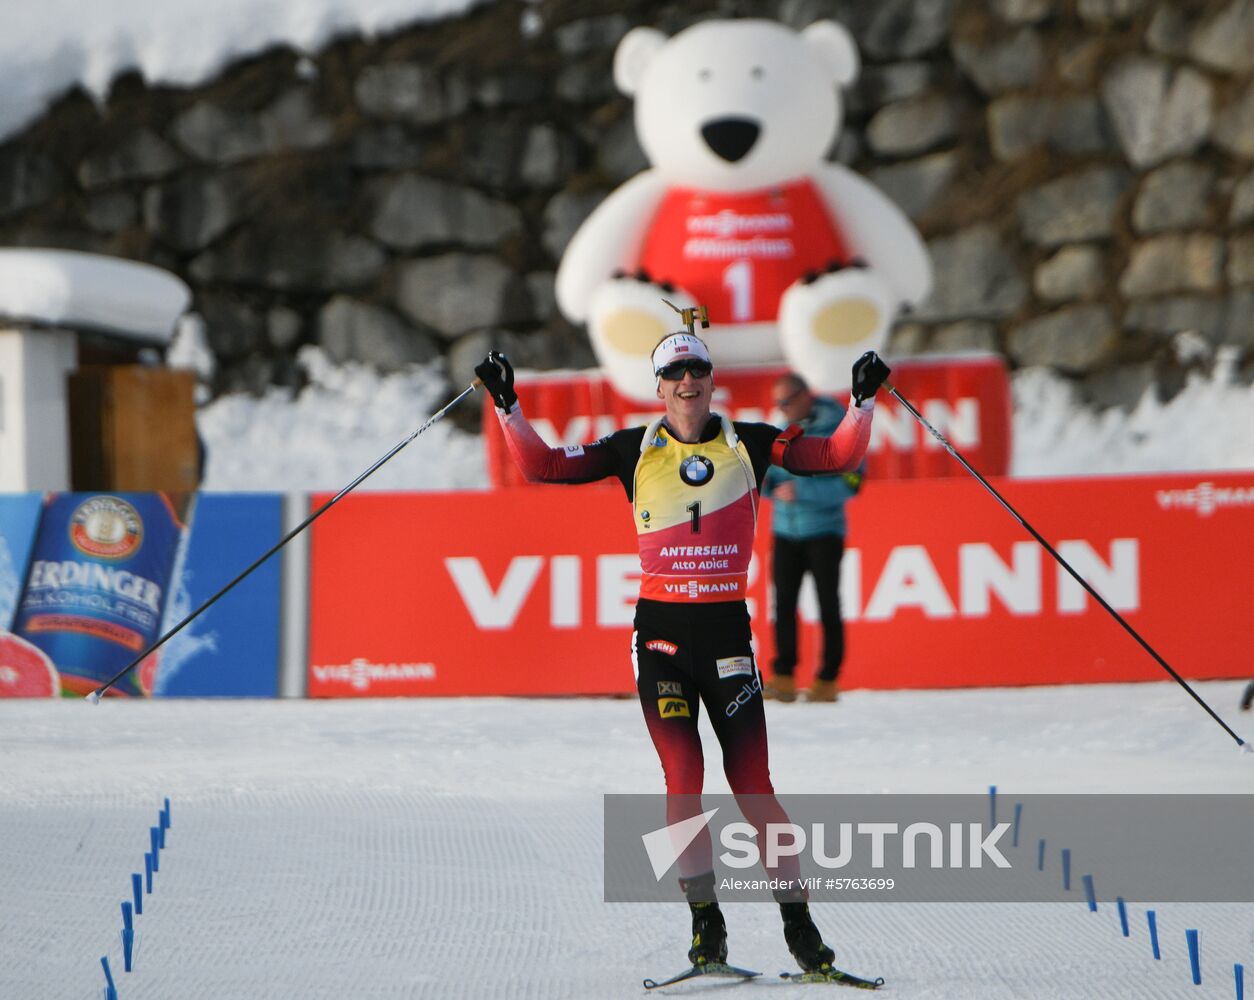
1083	171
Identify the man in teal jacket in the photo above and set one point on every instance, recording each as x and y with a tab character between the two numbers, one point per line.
808	522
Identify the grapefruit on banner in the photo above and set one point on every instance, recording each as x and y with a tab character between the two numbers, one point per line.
25	670
148	673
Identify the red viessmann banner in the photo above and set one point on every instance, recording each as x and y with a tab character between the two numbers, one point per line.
966	398
531	591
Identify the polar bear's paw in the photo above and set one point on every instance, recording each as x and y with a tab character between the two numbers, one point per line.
828	320
627	314
626	318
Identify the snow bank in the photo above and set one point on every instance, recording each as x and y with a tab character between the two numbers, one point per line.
335	428
1207	426
48	48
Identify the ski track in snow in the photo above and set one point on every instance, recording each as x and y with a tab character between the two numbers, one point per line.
452	847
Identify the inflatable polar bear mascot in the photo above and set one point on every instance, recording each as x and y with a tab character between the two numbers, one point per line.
796	258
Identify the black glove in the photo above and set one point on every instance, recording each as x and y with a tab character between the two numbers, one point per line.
869	373
497	376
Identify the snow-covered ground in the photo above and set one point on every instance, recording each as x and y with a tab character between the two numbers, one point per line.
452	848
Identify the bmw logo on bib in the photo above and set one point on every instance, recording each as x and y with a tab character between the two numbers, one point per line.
696	470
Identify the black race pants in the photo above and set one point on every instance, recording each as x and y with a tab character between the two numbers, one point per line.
686	656
791	560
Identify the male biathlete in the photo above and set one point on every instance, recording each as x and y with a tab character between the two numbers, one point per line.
693	477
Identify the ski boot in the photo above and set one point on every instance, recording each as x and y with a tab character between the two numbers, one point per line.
709	935
709	930
804	941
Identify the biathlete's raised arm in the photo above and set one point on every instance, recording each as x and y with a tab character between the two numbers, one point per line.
536	460
842	451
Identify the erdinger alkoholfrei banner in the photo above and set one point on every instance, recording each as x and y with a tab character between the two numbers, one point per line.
97	584
231	649
533	590
966	398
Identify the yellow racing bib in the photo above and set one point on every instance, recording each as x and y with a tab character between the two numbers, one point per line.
696	508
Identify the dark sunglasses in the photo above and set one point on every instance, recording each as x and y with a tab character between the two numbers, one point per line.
675	370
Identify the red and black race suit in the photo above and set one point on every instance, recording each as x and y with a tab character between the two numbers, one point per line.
695	507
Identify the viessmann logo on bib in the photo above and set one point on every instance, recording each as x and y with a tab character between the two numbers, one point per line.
695	589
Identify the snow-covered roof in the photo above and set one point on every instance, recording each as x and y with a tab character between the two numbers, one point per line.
91	292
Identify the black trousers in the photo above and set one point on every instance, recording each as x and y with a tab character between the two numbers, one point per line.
791	560
686	655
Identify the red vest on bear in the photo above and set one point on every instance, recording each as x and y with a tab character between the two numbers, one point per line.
737	252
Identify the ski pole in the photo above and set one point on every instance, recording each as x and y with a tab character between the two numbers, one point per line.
95	696
1064	564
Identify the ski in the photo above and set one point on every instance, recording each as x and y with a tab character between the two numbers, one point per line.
834	976
712	969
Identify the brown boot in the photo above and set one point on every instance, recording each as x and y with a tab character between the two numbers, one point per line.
780	688
821	690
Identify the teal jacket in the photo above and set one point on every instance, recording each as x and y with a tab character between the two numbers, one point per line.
820	505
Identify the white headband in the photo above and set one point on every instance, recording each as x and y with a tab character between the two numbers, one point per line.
679	347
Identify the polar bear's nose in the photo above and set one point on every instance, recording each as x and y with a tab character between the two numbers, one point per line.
731	138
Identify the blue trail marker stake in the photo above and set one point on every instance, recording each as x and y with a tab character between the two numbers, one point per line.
992	806
1195	959
1088	891
1040	856
156	847
1238	973
1066	868
1152	919
137	890
128	947
127	920
1018	817
1123	915
112	990
148	872
161	833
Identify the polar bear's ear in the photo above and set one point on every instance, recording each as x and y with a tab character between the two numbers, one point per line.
633	55
835	48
